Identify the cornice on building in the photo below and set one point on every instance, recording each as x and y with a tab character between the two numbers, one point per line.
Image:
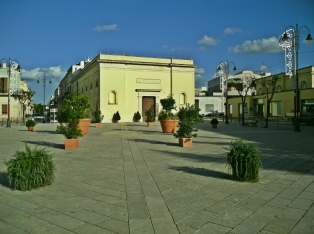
130	62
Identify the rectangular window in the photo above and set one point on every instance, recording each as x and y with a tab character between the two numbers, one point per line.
276	108
3	85
240	109
4	109
209	107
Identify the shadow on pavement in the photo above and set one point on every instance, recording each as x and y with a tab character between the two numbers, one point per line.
45	143
4	180
202	172
156	142
195	157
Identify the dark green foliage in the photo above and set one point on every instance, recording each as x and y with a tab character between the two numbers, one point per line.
167	104
214	121
30	169
30	123
189	117
149	115
116	116
137	116
75	106
70	130
244	159
98	117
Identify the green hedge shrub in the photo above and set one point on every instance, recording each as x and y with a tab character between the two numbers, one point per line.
30	169
244	159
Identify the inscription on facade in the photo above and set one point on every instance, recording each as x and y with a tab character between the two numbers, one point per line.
148	81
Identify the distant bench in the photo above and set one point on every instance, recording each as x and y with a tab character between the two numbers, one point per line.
289	116
251	122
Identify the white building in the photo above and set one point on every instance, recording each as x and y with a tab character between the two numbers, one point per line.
215	87
14	72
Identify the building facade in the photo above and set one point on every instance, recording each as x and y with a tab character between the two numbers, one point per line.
215	89
282	104
5	87
129	83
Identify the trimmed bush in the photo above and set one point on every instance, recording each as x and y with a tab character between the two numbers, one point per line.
70	130
116	116
149	115
137	116
167	104
30	169
244	159
189	118
30	123
214	121
98	116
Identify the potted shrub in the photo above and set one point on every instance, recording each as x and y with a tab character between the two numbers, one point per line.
30	124
214	122
137	116
30	169
98	117
168	120
76	106
189	117
116	117
150	118
72	132
244	160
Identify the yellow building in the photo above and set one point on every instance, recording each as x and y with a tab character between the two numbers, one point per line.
282	104
129	83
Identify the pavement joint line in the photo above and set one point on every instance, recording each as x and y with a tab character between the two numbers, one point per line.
136	153
164	174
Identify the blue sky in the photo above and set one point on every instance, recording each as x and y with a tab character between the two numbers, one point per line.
47	37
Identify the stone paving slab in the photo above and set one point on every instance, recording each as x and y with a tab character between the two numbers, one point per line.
130	178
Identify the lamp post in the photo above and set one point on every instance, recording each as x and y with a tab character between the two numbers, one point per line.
224	67
15	65
291	39
44	78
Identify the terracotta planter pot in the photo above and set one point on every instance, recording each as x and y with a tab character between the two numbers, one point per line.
97	125
71	144
138	120
185	142
214	125
30	128
116	121
84	125
150	124
169	126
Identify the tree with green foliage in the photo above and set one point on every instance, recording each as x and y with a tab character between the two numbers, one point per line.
24	97
38	108
243	86
269	85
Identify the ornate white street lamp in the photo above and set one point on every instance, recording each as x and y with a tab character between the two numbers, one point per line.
11	64
288	41
44	78
224	68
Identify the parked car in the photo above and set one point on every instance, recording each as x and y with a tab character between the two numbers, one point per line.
215	114
39	119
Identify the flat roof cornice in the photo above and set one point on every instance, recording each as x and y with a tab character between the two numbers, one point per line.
127	62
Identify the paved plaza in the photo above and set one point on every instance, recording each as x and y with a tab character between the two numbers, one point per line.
130	178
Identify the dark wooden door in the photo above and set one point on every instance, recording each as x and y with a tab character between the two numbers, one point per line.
147	103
